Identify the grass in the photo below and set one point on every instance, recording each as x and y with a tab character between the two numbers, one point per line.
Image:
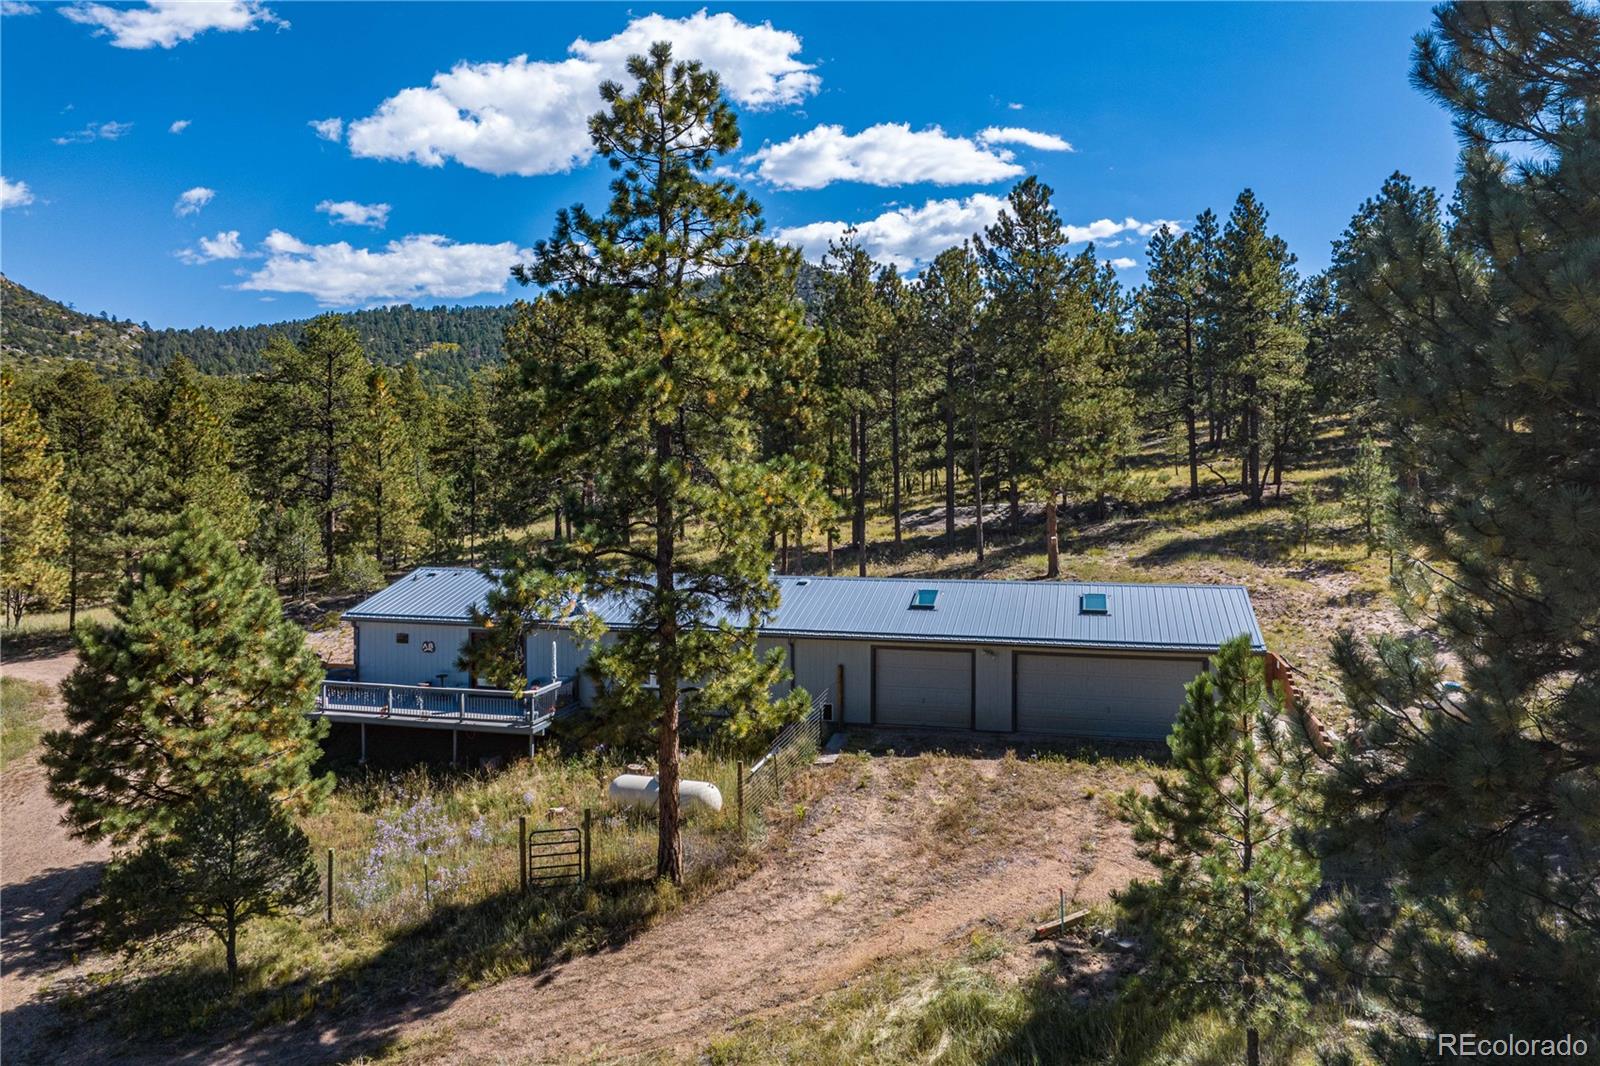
392	939
22	710
962	1015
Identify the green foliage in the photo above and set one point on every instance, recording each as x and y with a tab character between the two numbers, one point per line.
36	329
636	379
33	509
1308	517
197	678
1481	806
385	489
1227	917
1369	492
230	856
356	571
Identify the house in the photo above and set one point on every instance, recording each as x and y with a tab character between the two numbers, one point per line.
1087	659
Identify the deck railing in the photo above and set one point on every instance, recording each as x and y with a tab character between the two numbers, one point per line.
432	703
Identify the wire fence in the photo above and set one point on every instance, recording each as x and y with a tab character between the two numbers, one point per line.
795	747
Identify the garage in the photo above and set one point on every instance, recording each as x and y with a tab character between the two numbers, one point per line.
922	687
1094	695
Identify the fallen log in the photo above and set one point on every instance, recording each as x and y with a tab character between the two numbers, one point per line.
1055	927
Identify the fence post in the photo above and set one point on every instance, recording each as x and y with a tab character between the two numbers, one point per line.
330	886
587	829
738	790
522	849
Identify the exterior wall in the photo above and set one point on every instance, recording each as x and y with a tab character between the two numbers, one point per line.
380	659
993	711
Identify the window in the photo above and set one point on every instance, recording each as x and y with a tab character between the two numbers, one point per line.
924	599
402	638
1093	603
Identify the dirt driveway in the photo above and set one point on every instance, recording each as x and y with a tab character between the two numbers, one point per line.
43	871
896	856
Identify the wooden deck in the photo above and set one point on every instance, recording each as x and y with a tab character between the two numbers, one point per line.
435	707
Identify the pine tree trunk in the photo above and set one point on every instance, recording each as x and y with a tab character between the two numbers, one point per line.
950	453
977	485
72	588
783	553
1189	398
1014	503
1052	546
233	951
860	524
669	849
894	460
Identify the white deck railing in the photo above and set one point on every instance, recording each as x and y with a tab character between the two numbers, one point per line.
431	704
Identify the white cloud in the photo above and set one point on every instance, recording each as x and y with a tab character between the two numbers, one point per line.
886	154
1103	228
351	213
96	131
1014	106
531	116
166	23
192	200
414	267
1044	142
225	245
14	193
329	129
907	237
179	126
1122	262
16	7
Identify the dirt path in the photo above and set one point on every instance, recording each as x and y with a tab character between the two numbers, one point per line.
43	871
862	882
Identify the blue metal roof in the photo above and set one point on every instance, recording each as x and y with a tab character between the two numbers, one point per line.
1047	613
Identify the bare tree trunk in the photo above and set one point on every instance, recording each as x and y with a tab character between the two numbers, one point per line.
1052	546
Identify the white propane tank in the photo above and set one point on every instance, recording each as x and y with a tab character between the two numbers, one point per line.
637	790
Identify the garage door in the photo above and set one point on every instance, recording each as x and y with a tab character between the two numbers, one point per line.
913	687
1090	696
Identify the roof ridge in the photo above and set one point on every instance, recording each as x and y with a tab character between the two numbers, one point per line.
1045	583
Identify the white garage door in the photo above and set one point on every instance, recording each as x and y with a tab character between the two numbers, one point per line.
922	688
1090	696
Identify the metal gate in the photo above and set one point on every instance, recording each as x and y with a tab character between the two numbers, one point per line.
555	856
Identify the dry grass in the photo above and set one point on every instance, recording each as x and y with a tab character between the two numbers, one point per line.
23	705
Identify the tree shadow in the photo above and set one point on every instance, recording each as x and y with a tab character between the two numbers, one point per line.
31	647
35	937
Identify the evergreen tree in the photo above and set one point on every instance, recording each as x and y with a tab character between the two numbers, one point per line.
1257	324
661	385
80	411
1481	804
468	463
1369	491
33	509
231	856
1227	917
951	304
197	678
385	506
191	457
853	322
1171	311
304	423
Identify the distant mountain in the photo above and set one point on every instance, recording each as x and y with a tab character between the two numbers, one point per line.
35	328
448	343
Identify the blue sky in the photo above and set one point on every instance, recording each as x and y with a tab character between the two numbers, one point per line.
161	161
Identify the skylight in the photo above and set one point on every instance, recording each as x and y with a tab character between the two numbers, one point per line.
1093	603
924	599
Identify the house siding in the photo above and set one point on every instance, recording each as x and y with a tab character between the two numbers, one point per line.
379	658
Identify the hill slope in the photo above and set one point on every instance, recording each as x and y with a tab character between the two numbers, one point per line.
35	328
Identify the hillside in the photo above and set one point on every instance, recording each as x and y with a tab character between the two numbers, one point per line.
449	342
35	328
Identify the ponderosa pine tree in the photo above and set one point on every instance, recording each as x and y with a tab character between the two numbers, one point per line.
1260	342
1369	491
1482	804
951	304
1227	919
231	856
33	509
1171	310
80	413
197	678
304	422
381	471
853	321
190	457
653	404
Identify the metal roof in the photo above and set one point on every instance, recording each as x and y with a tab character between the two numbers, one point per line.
1139	616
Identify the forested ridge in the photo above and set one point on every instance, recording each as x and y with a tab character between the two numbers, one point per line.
681	408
